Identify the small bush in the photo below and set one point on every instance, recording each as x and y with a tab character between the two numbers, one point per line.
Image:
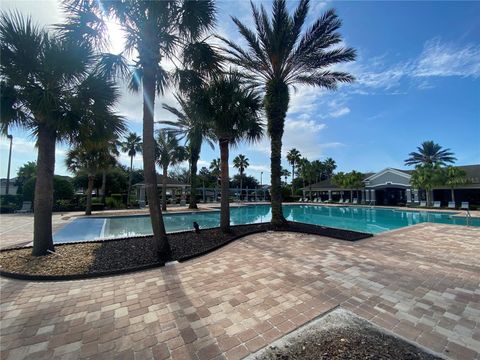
114	203
10	203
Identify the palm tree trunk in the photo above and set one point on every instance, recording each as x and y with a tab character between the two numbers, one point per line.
276	106
150	174
193	181
88	207
164	188
224	205
104	185
43	202
293	177
130	181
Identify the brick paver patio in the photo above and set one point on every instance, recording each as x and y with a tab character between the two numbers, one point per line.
422	283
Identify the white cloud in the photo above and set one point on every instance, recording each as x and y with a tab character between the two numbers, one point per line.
446	59
340	112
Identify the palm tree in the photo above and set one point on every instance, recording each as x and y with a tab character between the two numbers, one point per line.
329	166
293	158
279	56
169	153
131	145
430	153
240	162
154	30
215	167
195	131
285	173
425	177
49	87
233	111
453	177
90	158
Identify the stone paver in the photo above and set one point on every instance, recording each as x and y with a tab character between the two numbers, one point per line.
422	283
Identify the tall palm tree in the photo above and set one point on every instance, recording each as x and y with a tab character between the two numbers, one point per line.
293	158
233	111
131	145
194	130
430	153
154	31
90	158
169	153
241	163
49	87
279	56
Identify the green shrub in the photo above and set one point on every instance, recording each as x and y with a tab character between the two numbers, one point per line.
114	203
62	189
10	203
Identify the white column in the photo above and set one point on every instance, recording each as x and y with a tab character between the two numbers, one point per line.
408	193
329	195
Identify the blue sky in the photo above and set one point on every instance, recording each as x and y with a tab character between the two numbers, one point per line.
418	78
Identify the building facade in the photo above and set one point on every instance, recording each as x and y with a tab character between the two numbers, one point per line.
392	187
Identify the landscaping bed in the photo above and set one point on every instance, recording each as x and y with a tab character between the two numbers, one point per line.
340	335
106	257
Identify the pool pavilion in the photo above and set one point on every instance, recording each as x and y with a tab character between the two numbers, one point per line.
392	187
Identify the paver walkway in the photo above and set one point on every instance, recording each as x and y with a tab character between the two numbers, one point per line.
422	283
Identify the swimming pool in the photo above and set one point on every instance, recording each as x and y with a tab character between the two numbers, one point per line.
363	219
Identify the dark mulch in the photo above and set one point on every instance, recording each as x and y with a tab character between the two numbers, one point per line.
342	336
114	255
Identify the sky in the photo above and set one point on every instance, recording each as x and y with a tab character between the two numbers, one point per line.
417	78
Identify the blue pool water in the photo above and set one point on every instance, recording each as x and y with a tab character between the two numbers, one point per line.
370	220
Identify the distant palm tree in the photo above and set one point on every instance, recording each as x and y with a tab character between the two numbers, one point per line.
131	145
293	158
241	163
233	111
191	127
430	153
215	167
169	153
285	173
454	177
49	87
90	158
329	166
279	56
154	30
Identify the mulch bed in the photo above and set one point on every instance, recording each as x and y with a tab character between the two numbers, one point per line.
120	255
341	335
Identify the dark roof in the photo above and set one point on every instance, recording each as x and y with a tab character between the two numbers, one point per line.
473	174
160	181
327	183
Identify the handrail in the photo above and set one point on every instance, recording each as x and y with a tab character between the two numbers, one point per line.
468	217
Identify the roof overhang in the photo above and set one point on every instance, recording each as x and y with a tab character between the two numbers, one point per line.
387	170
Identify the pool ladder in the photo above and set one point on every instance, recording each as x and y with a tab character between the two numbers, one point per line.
468	217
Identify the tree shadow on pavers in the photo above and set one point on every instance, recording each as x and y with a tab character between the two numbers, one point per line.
45	323
194	337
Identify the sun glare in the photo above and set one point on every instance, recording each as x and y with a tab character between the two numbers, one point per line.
116	36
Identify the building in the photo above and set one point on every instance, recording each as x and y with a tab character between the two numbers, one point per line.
392	187
12	189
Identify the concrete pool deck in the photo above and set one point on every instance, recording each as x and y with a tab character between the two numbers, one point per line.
420	282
